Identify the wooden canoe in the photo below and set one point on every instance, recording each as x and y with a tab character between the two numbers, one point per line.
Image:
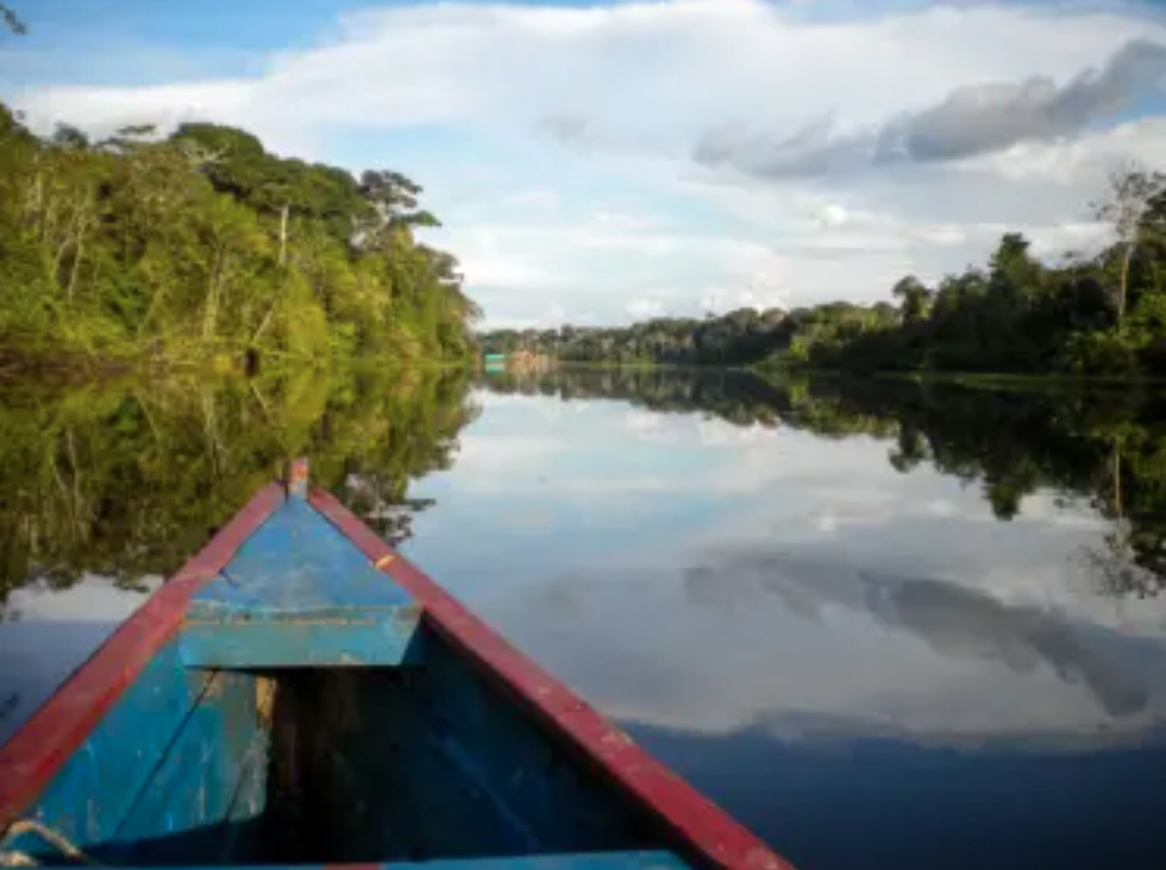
299	693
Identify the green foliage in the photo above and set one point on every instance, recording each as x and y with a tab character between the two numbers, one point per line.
736	398
203	246
916	299
737	338
1098	353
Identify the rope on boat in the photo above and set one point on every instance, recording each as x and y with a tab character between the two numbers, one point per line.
13	858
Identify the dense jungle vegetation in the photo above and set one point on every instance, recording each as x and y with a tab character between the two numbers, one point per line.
1102	315
202	245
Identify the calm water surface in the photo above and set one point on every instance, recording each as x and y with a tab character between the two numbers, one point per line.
892	626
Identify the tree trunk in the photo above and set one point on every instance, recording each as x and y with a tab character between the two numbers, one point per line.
59	259
78	256
1117	500
154	300
266	320
212	299
211	431
48	221
1125	280
70	238
283	235
36	201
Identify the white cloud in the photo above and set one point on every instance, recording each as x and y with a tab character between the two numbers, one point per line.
654	428
711	59
644	309
1065	161
537	198
815	647
719	300
605	99
587	55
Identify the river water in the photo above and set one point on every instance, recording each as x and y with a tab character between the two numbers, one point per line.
882	625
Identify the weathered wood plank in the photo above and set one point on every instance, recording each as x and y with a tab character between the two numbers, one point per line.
30	760
381	639
297	564
194	786
298	594
167	758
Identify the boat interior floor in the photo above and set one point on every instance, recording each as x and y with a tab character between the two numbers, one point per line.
330	765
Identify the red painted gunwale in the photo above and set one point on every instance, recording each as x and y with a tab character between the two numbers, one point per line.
698	822
36	752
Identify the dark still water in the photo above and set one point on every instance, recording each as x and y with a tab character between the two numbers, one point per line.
883	625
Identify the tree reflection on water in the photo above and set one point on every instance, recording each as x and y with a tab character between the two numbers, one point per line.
1102	449
127	480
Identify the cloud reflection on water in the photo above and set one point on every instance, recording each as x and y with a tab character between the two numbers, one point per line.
714	579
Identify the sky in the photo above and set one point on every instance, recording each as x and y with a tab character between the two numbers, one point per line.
596	163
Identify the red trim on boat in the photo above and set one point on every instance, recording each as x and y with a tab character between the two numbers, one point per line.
33	756
698	822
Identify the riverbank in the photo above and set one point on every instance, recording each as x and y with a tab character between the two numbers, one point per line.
78	369
984	380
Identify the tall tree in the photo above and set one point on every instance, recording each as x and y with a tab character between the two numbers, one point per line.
915	299
1124	207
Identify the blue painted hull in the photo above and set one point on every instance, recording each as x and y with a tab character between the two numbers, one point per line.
300	694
